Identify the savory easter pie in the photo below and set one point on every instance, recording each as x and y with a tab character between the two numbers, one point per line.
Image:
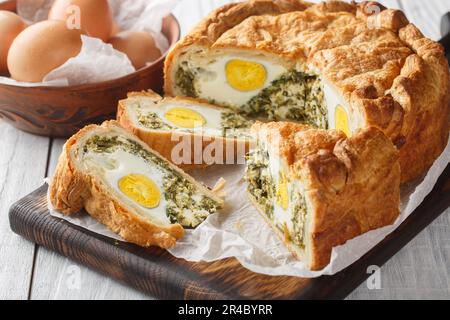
128	187
334	65
317	188
186	131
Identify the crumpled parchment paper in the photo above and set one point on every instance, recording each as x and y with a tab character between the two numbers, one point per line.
239	231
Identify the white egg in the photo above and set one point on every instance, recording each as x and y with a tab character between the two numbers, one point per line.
112	167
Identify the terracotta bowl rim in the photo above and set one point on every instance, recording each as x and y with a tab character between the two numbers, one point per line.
107	83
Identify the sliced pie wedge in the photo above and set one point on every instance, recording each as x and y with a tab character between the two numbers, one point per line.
317	188
128	187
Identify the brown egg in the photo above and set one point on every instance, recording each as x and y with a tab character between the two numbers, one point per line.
95	16
115	29
42	48
10	26
139	46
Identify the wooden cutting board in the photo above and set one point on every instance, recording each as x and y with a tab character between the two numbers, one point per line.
156	272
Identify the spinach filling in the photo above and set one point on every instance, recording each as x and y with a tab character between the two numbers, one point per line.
259	181
298	219
184	204
151	120
235	125
184	79
181	199
294	96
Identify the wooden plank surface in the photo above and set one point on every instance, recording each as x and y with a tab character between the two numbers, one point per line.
420	270
23	160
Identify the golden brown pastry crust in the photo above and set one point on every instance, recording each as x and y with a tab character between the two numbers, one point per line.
71	190
161	140
391	75
352	184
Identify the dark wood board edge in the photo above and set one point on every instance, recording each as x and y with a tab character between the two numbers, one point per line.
172	278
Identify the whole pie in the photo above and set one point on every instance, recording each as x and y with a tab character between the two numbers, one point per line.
333	65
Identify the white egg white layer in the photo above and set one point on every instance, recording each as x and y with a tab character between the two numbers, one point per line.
111	167
212	84
281	217
276	166
333	99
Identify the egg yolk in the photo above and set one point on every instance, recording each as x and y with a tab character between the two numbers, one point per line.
140	189
282	193
341	120
185	118
245	75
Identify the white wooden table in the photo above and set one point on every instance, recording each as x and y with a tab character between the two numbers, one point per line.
27	271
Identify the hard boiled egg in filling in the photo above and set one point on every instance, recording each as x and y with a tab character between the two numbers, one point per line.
188	117
289	207
254	86
339	116
134	181
228	80
145	182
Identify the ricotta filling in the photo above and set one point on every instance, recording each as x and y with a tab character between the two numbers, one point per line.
281	198
113	157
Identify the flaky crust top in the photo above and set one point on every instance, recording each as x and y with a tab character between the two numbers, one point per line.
391	75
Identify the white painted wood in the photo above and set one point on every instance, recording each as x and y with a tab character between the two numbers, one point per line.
420	270
23	160
426	15
57	277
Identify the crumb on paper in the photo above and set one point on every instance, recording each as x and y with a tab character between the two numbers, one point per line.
238	224
220	184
